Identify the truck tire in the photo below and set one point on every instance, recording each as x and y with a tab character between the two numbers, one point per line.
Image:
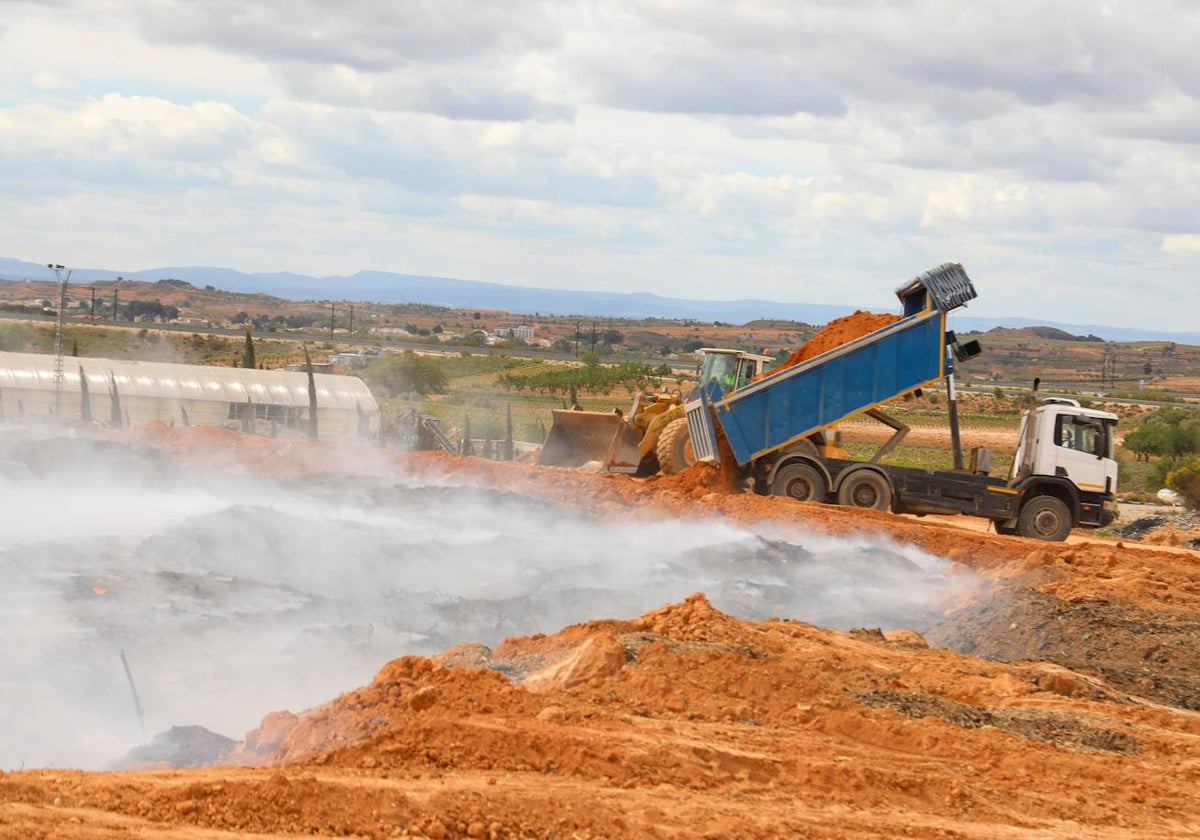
865	489
674	448
1045	518
802	482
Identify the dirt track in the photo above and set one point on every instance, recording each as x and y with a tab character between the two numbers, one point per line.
686	722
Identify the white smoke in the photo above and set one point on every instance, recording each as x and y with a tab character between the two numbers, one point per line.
234	596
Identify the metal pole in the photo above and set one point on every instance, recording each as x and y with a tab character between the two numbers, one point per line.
63	279
137	704
952	405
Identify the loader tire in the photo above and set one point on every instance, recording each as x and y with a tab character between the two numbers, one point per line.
674	448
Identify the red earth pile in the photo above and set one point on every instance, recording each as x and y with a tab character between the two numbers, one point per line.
1081	721
834	334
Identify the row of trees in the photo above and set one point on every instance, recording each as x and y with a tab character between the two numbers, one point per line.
409	373
591	377
266	322
1173	435
1165	432
148	311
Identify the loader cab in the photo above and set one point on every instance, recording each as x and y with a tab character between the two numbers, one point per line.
733	369
1061	438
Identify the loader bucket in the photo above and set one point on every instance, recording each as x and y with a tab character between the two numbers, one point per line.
581	437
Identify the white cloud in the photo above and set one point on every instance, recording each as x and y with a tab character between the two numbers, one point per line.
118	139
810	150
1184	244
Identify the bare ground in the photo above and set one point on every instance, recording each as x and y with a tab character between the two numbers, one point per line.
1056	698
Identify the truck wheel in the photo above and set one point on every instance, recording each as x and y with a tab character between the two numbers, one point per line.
1045	518
674	447
865	489
802	482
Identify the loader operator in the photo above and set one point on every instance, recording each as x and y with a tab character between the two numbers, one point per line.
726	373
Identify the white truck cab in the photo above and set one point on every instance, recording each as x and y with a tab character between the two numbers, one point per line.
1062	440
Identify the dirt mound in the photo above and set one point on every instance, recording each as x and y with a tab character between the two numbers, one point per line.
837	332
179	746
1055	696
683	719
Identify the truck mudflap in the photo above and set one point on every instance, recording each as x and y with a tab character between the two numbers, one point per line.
701	429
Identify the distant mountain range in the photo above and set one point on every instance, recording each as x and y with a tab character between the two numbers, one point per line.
384	287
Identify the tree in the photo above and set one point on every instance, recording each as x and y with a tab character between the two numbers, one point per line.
248	353
1165	432
408	372
1173	435
1186	482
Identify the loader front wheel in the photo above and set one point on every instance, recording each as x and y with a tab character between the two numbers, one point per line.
674	449
802	482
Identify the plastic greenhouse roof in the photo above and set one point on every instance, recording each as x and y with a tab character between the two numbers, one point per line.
186	382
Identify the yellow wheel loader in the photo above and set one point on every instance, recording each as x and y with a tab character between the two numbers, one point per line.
653	435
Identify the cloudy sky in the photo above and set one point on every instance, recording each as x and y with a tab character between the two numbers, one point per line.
818	151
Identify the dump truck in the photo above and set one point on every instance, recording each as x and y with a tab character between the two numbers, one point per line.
653	435
1063	475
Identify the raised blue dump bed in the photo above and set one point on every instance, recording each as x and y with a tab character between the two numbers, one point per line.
826	389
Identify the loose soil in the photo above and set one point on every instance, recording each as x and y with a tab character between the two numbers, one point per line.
834	334
1056	697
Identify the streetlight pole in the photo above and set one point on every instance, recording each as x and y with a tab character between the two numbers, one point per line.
63	279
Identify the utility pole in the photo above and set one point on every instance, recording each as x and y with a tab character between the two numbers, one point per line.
63	279
351	321
1108	373
115	304
331	314
93	317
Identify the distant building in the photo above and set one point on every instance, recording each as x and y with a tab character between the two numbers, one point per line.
350	360
318	367
523	332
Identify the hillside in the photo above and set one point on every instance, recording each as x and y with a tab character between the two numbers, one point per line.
1012	357
391	288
